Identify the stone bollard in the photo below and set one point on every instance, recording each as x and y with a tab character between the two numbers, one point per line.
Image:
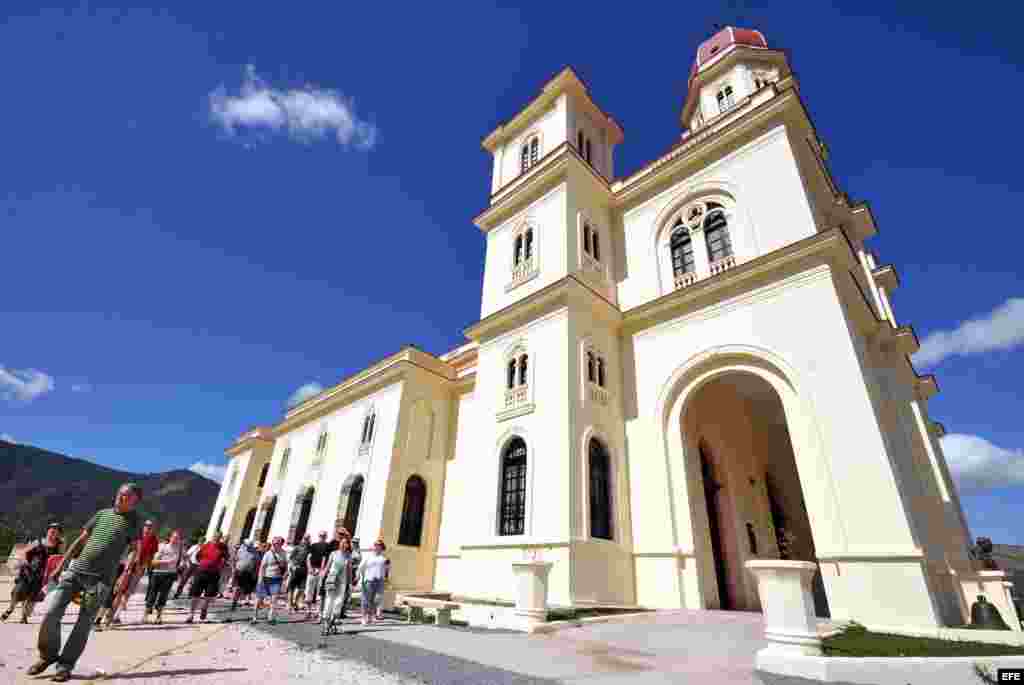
532	589
785	589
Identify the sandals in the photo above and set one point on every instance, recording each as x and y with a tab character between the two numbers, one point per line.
6	615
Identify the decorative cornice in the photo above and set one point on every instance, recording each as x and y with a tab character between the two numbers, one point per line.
821	248
249	439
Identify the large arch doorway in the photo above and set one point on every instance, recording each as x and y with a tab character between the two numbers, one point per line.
268	519
304	506
751	502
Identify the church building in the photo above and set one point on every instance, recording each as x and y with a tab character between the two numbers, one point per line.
674	372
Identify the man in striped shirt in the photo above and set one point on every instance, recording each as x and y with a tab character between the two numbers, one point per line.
90	575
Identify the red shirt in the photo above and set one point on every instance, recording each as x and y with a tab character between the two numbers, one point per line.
150	544
212	556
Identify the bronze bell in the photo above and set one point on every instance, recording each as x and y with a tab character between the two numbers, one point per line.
984	615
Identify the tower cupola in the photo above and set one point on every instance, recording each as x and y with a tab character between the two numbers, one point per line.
731	66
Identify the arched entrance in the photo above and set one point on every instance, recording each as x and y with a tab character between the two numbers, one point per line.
735	426
349	503
268	518
300	520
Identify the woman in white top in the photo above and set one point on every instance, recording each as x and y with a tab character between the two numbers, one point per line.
373	571
165	570
338	573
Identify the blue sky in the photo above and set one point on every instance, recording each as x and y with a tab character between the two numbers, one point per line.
172	276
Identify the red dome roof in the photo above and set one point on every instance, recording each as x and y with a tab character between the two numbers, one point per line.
722	41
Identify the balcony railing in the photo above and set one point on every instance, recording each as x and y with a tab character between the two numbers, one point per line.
523	271
723	264
684	279
516	397
598	394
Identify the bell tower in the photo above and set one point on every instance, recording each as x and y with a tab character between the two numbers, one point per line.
732	66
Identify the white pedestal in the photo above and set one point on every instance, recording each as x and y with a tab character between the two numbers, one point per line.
532	588
788	605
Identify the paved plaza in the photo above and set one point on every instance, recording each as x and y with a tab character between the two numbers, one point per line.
663	647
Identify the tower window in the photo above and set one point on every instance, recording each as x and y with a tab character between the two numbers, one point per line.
321	443
682	251
512	503
599	468
511	380
586	238
522	369
283	468
591	374
725	99
528	244
716	233
579	142
518	251
600	371
263	475
597	247
587	156
367	435
530	153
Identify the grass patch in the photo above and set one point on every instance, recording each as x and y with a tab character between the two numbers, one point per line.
858	641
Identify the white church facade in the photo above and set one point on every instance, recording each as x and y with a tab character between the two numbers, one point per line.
674	372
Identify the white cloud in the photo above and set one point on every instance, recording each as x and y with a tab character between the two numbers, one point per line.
24	385
305	114
976	464
211	471
304	393
7	437
81	387
1000	329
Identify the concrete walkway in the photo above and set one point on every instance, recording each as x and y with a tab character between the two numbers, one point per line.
663	647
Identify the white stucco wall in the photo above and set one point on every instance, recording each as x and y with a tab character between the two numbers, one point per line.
547	217
341	459
771	211
551	126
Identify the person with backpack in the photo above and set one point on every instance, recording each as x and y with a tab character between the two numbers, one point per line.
298	560
247	559
164	571
271	576
28	586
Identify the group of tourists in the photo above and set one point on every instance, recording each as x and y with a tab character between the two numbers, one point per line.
102	567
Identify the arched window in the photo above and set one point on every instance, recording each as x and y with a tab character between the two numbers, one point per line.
512	503
579	142
522	369
600	371
586	239
682	251
283	468
411	530
600	491
511	373
321	442
528	244
591	375
596	246
304	505
716	233
352	497
367	436
250	518
268	520
517	254
220	519
725	100
530	153
587	155
263	475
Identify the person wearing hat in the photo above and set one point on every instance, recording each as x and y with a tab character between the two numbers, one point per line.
101	543
373	571
29	584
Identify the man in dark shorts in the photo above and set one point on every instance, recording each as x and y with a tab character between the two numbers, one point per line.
102	542
318	553
206	584
247	560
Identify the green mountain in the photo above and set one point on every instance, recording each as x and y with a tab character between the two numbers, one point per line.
37	486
